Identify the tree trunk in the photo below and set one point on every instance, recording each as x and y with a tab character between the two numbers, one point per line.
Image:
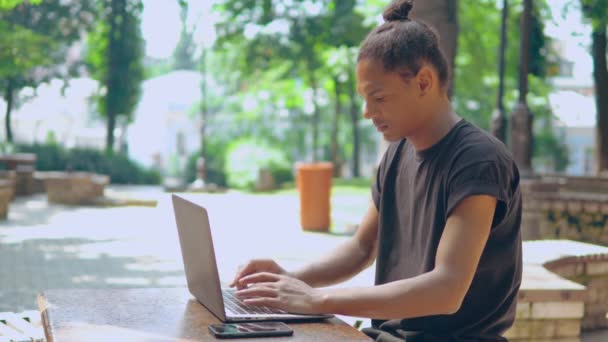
335	128
9	97
316	117
600	76
354	117
117	8
442	15
522	120
111	125
499	118
203	104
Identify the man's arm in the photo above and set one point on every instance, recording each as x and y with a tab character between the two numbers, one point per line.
344	262
440	291
348	259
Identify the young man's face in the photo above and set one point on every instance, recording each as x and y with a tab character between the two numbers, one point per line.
391	102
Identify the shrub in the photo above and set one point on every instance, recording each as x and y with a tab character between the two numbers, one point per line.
122	170
215	163
246	157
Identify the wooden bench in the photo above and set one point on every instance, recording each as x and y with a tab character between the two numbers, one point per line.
21	327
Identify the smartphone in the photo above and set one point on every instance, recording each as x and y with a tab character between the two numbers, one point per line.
241	330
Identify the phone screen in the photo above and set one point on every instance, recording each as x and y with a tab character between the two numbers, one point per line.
251	329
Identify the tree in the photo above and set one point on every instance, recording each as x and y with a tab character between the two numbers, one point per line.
315	46
183	56
477	81
596	12
347	30
442	15
6	5
300	48
115	60
20	51
34	39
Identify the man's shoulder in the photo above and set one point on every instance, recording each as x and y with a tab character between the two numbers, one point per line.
472	144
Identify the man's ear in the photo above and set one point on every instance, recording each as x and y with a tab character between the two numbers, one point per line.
425	80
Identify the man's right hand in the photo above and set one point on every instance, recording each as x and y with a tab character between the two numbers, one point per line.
256	266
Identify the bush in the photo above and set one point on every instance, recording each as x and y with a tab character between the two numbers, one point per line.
122	170
48	157
214	168
246	157
282	174
215	161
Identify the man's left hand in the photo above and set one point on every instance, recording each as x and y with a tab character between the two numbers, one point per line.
281	292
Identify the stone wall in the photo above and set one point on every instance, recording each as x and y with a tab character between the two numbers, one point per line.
546	315
592	272
574	208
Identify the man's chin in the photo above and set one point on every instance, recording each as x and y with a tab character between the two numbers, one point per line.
391	137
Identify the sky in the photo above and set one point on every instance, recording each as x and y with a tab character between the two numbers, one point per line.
161	25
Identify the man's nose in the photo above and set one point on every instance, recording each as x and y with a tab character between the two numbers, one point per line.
368	111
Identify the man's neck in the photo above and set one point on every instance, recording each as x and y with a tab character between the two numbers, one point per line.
440	121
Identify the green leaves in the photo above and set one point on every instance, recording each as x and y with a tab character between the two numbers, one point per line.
294	50
10	4
115	59
21	50
35	37
596	11
115	54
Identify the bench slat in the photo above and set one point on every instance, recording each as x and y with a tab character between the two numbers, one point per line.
21	327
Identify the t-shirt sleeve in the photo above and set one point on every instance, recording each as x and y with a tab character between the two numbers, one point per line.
480	178
379	179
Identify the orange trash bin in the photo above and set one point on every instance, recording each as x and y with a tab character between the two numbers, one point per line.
314	186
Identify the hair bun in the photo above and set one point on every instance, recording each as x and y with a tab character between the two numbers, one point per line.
398	10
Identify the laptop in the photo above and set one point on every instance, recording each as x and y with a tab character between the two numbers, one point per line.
202	274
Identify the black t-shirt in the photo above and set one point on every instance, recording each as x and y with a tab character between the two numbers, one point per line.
415	192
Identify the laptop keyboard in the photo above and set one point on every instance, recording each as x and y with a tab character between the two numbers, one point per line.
234	304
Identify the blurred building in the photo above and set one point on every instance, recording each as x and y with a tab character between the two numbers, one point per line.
165	129
573	103
166	124
57	111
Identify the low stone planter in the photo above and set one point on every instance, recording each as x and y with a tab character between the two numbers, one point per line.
74	188
591	271
549	308
6	194
25	180
11	177
564	291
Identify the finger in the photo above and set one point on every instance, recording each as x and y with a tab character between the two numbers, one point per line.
258	291
259	278
244	270
271	285
237	275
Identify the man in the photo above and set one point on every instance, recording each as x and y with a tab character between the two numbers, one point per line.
443	227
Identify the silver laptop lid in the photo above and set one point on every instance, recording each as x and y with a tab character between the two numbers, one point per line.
198	254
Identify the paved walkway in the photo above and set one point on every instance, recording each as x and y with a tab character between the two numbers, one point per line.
46	246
